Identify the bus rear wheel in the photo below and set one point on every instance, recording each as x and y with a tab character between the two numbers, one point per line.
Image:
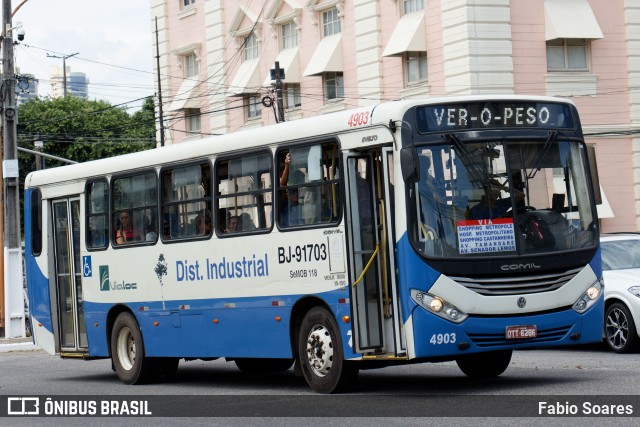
485	365
321	355
127	351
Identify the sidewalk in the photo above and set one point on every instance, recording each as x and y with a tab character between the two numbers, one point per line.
16	344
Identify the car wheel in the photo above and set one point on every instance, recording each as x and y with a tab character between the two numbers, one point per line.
620	330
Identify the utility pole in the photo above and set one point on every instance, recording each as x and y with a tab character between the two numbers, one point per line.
159	88
64	70
279	74
13	286
39	145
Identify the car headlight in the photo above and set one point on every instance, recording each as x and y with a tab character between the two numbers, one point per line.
438	306
635	290
589	297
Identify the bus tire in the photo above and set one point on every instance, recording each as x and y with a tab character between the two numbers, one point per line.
321	355
263	366
127	351
485	365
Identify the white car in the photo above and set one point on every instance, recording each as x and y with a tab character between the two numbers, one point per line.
621	271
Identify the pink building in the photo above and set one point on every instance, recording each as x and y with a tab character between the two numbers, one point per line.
216	57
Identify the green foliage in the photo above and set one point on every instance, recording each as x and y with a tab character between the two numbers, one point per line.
83	130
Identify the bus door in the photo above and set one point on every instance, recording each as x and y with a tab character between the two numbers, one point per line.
72	335
371	259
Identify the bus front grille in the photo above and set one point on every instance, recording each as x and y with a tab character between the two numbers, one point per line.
521	285
499	339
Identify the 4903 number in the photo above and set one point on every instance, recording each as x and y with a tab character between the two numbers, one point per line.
437	339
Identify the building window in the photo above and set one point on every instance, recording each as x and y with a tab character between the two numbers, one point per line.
292	96
330	22
334	86
190	63
289	34
250	47
415	66
413	5
252	107
192	120
567	55
186	4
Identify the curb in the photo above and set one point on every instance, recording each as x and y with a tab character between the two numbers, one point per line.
6	347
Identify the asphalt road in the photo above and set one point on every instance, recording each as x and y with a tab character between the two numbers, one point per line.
403	395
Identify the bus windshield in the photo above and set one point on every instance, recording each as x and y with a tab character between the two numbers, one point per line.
499	198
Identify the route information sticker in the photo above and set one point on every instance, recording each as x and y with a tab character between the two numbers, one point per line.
486	235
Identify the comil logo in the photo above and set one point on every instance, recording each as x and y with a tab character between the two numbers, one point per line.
23	406
104	277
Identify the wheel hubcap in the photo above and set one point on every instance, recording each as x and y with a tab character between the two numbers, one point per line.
320	350
617	328
126	348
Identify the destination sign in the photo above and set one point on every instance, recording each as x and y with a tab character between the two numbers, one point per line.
488	115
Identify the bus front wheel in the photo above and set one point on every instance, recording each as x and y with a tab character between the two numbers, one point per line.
321	355
485	365
127	351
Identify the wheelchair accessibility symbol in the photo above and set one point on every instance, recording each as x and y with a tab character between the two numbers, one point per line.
86	266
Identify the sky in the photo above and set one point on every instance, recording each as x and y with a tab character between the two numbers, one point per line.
113	40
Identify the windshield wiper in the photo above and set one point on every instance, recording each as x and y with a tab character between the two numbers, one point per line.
537	161
476	172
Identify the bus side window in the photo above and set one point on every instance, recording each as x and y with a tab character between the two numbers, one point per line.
186	196
97	206
244	198
308	192
134	206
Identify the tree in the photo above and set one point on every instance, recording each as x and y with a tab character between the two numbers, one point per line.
82	130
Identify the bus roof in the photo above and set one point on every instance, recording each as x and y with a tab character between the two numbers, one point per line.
298	130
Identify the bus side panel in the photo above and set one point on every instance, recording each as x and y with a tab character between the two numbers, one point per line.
37	287
241	327
95	318
231	332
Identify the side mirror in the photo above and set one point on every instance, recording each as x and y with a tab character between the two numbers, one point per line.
593	168
409	165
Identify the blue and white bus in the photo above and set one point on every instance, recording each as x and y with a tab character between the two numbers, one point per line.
412	231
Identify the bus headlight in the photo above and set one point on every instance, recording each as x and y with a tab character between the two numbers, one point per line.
589	297
438	306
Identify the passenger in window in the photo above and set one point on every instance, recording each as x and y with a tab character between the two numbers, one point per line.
203	223
247	222
290	214
235	224
125	233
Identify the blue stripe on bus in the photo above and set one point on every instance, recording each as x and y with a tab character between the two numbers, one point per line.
213	328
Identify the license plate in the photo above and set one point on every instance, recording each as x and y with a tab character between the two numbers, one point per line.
521	332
